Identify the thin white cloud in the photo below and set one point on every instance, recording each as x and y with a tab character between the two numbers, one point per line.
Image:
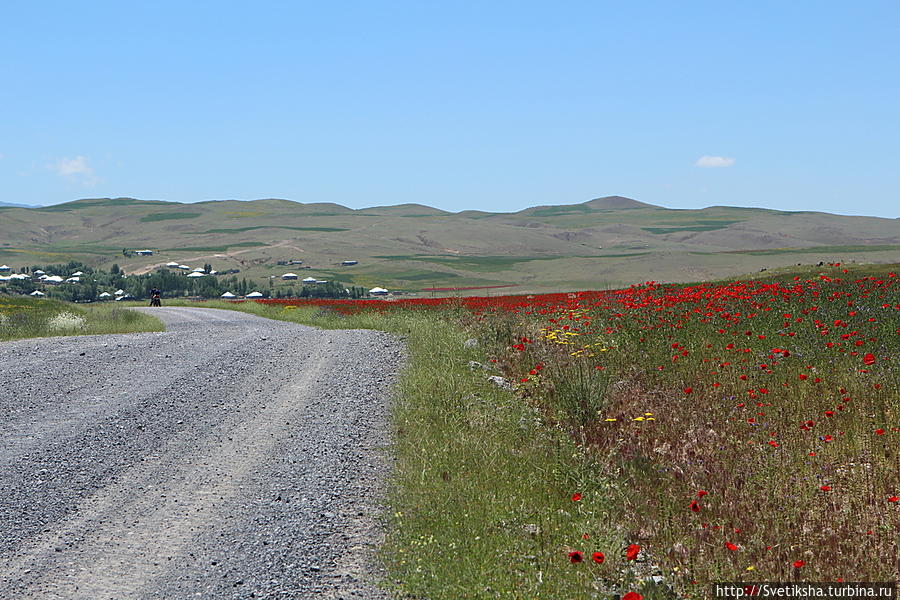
713	162
76	168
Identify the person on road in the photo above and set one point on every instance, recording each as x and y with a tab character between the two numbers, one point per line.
155	296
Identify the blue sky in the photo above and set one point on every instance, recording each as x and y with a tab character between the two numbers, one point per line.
489	105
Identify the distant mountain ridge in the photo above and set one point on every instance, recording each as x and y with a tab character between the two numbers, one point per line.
605	241
20	205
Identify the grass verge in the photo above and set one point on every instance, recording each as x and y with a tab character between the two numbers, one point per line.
22	317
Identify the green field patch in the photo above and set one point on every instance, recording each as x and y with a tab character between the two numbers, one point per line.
818	250
169	216
216	248
700	225
253	227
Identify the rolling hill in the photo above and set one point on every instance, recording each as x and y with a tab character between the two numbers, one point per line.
604	242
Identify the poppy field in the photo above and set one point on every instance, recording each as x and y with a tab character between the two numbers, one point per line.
731	431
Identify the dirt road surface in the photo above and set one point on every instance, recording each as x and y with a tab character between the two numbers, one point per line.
228	457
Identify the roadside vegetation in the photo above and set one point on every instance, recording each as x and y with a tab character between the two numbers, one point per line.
653	440
22	317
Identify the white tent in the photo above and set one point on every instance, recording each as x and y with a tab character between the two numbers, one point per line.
228	295
199	270
36	293
255	295
289	276
105	295
309	280
196	274
172	264
54	279
4	267
378	291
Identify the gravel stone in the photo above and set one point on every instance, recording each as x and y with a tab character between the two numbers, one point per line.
228	457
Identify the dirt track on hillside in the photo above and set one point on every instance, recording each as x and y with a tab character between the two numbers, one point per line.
228	457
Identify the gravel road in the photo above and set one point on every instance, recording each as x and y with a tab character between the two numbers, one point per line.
229	457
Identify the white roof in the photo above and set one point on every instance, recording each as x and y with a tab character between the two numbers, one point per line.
185	267
289	275
39	272
119	292
77	274
199	270
105	295
4	267
172	264
378	290
18	276
55	278
309	280
228	295
255	295
36	293
2	278
197	274
74	279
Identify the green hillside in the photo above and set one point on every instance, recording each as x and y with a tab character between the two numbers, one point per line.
605	242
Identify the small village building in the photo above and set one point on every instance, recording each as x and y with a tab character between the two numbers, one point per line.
289	276
73	280
309	280
4	269
184	267
196	274
38	272
254	295
76	274
119	292
172	265
228	295
349	263
37	293
144	252
105	296
52	279
378	291
198	270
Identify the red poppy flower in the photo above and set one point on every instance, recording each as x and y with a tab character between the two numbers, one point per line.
731	546
576	557
688	390
798	564
631	553
825	488
879	432
576	497
894	499
598	557
632	596
701	493
694	506
869	359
